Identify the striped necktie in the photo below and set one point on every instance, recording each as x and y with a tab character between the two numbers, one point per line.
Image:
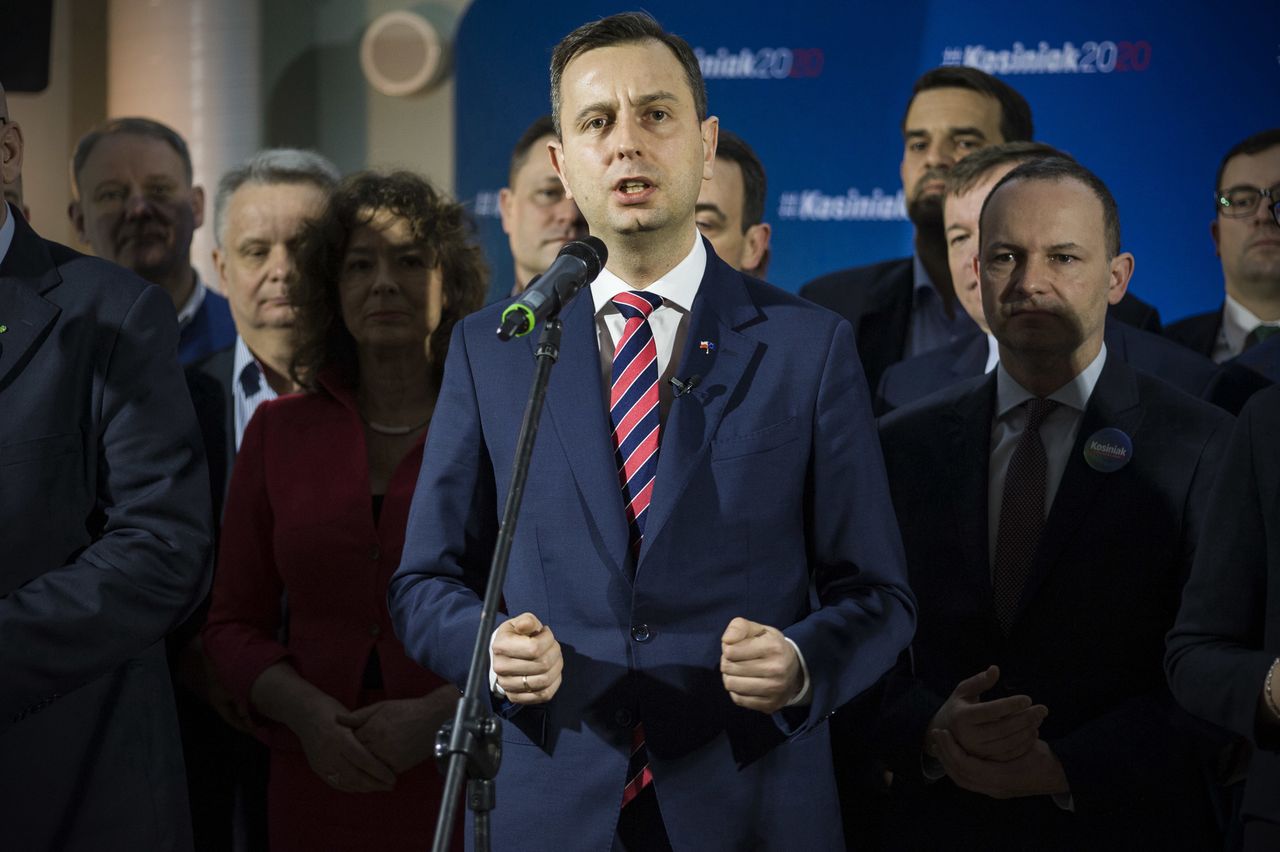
633	408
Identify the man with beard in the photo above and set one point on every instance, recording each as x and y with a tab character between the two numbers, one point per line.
133	202
908	306
537	215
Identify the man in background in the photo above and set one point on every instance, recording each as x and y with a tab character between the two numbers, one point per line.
538	217
133	203
1246	238
730	207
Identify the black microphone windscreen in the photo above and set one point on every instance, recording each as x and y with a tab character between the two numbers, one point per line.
591	251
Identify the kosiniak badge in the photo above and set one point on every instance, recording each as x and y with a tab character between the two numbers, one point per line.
1108	450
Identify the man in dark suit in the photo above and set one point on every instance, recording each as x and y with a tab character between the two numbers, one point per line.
731	207
1224	649
260	210
967	186
1246	237
1050	513
701	613
134	203
104	515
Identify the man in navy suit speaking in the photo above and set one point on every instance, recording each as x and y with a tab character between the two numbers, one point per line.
697	580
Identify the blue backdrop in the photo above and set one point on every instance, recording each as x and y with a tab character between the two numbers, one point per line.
1149	95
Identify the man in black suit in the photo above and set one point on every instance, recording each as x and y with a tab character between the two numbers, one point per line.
104	515
967	187
1246	237
1050	512
260	210
1225	647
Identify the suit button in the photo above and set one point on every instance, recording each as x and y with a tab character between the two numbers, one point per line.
374	552
623	718
641	633
375	630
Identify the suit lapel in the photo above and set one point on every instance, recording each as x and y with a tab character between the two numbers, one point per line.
721	307
1114	403
967	459
576	402
27	272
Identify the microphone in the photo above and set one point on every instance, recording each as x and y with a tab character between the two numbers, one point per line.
576	266
682	387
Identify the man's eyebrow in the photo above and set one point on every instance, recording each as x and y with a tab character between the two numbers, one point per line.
598	106
708	207
966	131
653	97
1064	247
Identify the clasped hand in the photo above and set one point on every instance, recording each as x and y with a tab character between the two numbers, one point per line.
994	747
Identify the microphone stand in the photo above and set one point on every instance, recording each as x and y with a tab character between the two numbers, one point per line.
471	744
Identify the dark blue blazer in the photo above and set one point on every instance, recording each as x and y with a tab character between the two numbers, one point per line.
916	378
1228	630
1088	638
1199	332
104	516
770	503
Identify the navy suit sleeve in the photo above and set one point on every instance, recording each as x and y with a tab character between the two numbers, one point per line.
866	615
1138	743
452	524
147	567
1215	662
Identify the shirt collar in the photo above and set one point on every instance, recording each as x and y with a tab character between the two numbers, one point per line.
1237	322
1074	394
244	359
678	287
993	353
7	231
194	301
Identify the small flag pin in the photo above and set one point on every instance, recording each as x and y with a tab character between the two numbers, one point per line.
707	346
3	329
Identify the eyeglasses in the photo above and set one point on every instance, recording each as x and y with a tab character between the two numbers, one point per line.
1240	201
1275	210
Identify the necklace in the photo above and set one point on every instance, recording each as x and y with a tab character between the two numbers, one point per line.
383	429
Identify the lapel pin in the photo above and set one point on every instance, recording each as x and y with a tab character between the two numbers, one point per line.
3	329
1108	450
707	347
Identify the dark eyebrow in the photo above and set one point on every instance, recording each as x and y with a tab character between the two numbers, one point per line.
1064	247
957	225
598	106
967	131
645	100
707	207
1004	247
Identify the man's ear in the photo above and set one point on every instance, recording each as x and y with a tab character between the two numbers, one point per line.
75	212
710	139
756	247
505	199
10	152
197	205
556	148
1121	273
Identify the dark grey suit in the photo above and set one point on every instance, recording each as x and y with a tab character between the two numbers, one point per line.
105	524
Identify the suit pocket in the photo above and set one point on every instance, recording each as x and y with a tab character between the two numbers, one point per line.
758	441
40	449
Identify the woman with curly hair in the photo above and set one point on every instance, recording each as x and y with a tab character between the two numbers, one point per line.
315	519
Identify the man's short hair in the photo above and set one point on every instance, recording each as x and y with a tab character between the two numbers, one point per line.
969	172
132	126
1255	144
731	147
626	28
274	165
543	126
1015	112
1056	170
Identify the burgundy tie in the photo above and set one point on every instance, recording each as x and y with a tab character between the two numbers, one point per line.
633	410
1021	514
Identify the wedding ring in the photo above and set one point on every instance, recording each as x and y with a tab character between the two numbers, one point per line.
526	683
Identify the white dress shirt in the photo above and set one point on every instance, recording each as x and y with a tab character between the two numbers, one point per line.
1057	433
993	353
1237	323
192	306
249	387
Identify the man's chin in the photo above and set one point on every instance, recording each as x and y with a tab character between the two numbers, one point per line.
926	211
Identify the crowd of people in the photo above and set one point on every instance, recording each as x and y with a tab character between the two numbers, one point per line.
966	549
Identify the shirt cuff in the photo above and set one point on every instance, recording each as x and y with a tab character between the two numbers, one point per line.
805	695
1065	801
493	676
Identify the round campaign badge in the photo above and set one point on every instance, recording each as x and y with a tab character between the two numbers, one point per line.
1108	450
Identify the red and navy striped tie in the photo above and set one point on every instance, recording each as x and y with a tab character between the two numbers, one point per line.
633	410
